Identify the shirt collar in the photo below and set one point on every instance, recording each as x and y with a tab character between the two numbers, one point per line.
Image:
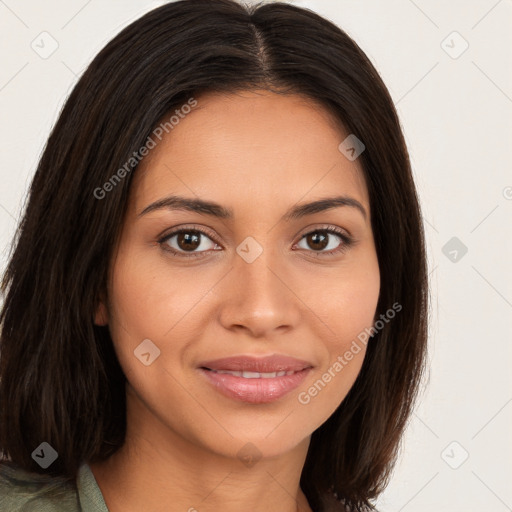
89	494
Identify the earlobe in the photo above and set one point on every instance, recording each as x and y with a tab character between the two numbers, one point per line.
101	316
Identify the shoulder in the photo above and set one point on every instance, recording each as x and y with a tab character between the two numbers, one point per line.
23	491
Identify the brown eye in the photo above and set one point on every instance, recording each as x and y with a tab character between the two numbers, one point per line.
317	241
195	242
332	239
187	241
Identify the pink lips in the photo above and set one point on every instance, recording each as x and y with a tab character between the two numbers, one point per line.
237	377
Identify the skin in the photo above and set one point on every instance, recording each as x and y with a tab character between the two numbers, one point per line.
258	153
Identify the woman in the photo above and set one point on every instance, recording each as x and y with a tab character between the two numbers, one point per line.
217	298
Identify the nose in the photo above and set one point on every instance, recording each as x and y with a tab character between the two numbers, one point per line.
260	299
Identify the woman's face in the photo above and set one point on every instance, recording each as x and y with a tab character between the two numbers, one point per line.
257	283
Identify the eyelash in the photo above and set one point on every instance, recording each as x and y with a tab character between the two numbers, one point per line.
346	239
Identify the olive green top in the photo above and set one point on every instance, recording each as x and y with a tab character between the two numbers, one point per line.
21	491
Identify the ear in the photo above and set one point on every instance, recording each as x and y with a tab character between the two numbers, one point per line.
101	315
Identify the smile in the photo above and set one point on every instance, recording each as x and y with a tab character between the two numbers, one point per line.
255	375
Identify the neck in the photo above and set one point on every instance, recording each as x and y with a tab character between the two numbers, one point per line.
157	469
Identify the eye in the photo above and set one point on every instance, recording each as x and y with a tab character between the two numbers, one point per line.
195	241
325	238
188	242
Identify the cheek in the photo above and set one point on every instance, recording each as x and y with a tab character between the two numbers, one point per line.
136	307
347	303
348	307
151	301
135	293
148	303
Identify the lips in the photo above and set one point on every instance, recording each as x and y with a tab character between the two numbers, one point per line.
262	365
255	375
255	380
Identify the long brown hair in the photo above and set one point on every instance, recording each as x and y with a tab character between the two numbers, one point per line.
60	380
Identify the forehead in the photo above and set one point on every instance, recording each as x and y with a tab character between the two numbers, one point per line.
250	148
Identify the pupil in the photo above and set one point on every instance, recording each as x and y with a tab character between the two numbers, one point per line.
187	241
315	239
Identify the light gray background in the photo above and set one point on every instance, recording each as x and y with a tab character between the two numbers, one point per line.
457	118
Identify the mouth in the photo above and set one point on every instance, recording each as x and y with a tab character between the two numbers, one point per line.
255	380
253	375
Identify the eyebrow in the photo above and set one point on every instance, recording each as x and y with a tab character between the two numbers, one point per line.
174	202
